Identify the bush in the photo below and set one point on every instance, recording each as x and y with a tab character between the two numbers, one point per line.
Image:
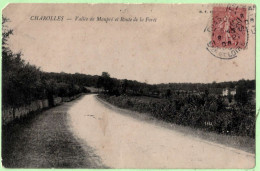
209	113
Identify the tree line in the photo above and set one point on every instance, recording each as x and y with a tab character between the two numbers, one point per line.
23	83
245	89
194	105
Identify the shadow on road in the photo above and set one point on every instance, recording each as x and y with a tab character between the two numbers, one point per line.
45	141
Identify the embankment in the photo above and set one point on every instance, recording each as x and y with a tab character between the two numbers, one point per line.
154	111
9	114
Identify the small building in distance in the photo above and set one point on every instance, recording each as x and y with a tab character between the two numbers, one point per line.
226	91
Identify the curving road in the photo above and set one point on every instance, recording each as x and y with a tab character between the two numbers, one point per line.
89	133
122	141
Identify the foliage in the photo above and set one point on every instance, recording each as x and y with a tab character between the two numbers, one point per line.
194	104
208	113
23	82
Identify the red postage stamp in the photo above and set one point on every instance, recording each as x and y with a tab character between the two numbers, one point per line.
229	27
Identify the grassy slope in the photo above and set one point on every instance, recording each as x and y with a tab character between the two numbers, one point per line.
244	143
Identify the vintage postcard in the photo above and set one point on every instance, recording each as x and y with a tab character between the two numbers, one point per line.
132	86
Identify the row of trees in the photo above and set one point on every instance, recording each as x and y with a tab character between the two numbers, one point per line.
250	84
23	82
244	88
194	105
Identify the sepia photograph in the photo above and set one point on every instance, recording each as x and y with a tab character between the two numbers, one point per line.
128	86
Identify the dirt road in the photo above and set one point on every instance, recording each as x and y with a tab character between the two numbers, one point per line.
125	142
87	133
45	141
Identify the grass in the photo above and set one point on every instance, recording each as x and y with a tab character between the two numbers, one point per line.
244	143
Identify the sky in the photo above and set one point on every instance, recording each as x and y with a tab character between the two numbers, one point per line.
172	49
